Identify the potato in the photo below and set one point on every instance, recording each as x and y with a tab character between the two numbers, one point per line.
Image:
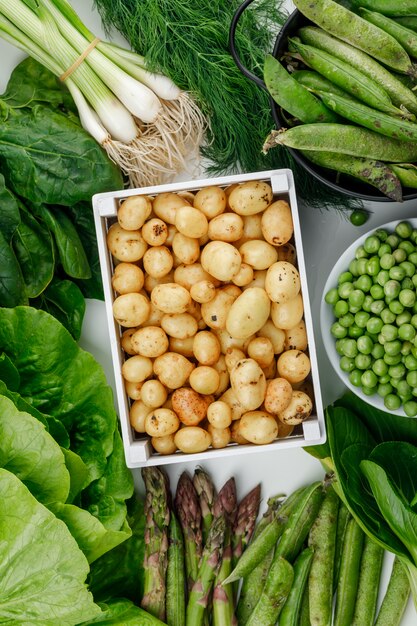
244	276
271	370
258	280
258	427
179	325
282	282
182	346
296	338
151	282
133	212
274	334
172	369
221	368
248	313
221	260
170	298
230	398
235	433
126	341
261	350
188	195
205	380
211	201
186	249
220	437
137	368
287	252
189	405
158	261
298	410
287	314
137	415
284	430
232	356
127	277
227	227
203	291
150	341
227	341
206	347
215	312
192	439
155	232
153	393
161	422
249	384
172	231
164	445
293	365
219	414
250	197
165	206
133	390
188	275
258	254
191	222
155	317
277	225
278	395
126	245
131	309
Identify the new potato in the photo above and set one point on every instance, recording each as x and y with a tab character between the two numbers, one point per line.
134	211
211	201
190	406
258	254
248	313
126	245
131	309
250	197
293	365
161	422
248	383
258	427
278	395
277	226
170	298
150	341
298	410
220	437
172	369
221	260
192	439
164	445
287	314
127	278
226	227
282	282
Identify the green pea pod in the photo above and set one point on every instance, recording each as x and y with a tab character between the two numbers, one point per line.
349	575
342	521
317	82
292	96
408	22
273	597
400	94
292	608
396	597
348	26
368	587
406	37
407	174
375	173
347	78
389	7
366	116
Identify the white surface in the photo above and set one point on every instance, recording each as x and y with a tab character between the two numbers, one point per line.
325	236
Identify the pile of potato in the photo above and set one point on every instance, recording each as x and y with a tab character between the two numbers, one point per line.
208	297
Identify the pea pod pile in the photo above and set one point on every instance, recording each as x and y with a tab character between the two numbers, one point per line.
349	100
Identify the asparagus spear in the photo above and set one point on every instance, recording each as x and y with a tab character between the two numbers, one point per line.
223	600
209	566
157	515
244	525
175	596
226	502
206	494
189	513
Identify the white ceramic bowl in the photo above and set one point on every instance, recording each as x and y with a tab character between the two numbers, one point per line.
327	318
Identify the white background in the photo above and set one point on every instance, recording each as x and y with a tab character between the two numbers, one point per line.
325	235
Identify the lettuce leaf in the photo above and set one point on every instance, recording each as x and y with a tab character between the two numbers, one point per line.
121	612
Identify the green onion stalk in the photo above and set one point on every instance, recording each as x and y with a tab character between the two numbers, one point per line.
146	124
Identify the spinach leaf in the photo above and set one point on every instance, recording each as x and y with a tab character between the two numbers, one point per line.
33	246
45	579
64	300
399	460
9	373
121	612
400	517
12	285
47	157
9	211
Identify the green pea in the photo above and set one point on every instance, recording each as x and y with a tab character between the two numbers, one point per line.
393	240
411	378
374	325
384	389
345	277
364	283
381	340
338	330
361	253
397	371
404	318
355	377
397	273
410	408
410	362
346	320
358	217
396	307
347	364
392	348
363	361
406	348
392	402
354	309
407	297
393	359
384	379
382	277
377	307
378	351
392	288
413	258
365	344
387	316
389	332
368	391
340	308
399	255
369	379
380	367
373	266
367	303
331	296
345	289
406	332
384	248
403	230
361	318
407	283
377	292
354	331
413	320
350	349
353	267
404	389
409	268
407	246
387	261
356	298
339	346
414	279
371	244
381	234
361	266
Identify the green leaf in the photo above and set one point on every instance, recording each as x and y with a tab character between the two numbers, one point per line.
66	303
9	373
12	286
29	451
48	158
399	460
400	517
44	581
9	211
78	473
121	612
71	252
60	379
33	246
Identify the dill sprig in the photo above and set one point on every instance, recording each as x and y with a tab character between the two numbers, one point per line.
187	40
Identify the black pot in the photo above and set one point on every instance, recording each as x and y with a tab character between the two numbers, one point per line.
337	182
